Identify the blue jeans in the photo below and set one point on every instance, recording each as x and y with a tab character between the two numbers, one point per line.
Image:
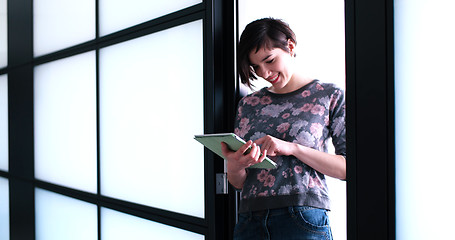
291	223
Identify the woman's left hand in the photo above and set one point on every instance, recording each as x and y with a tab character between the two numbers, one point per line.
275	146
328	164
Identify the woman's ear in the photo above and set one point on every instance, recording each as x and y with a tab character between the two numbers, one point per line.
291	47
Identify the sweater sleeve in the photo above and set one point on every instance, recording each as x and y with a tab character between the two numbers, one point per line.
338	122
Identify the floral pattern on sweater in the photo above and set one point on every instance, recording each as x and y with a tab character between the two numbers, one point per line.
309	116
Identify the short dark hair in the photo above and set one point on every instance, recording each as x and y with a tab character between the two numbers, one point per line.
266	33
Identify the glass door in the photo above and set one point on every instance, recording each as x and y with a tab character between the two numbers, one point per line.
320	30
103	119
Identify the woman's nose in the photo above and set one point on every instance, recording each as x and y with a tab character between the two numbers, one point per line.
264	73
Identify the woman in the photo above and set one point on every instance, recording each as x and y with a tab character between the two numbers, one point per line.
291	122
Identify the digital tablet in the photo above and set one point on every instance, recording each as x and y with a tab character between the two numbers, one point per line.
234	142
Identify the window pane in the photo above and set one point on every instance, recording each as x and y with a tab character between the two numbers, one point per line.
151	105
4	208
3	122
117	15
116	225
65	122
59	217
61	24
424	83
3	34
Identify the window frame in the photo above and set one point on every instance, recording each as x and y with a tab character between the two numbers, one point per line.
370	119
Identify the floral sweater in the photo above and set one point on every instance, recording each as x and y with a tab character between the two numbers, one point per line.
309	116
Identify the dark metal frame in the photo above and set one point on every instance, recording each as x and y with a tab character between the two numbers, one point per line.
219	95
370	119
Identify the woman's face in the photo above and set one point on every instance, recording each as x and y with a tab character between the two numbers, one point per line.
274	65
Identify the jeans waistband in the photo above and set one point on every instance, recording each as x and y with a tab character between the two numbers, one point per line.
277	211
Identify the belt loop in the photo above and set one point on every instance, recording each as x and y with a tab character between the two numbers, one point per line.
291	211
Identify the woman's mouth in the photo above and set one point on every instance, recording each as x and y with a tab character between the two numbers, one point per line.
274	79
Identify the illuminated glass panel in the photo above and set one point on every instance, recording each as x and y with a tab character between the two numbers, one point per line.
59	217
117	225
65	122
4	208
116	15
61	24
424	86
3	122
151	105
3	34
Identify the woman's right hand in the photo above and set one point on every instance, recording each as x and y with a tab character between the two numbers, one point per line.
242	158
238	161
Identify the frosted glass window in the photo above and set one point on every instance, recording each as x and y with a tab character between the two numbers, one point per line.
116	15
3	34
424	86
4	209
65	122
119	226
59	217
151	105
320	31
61	24
3	122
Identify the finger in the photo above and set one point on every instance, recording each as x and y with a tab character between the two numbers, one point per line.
266	146
251	157
249	154
256	151
224	148
260	141
243	149
263	156
272	151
